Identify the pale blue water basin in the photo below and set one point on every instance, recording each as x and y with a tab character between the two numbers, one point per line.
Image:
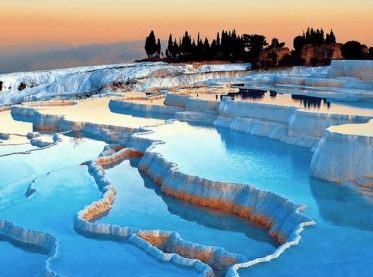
9	149
140	204
64	187
341	244
30	262
18	171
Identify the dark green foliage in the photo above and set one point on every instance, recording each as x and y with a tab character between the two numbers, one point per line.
298	43
275	43
315	37
330	38
254	45
169	47
186	45
159	47
227	46
230	46
352	50
151	46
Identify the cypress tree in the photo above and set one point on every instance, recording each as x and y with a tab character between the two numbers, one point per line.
159	47
330	38
169	50
175	49
151	46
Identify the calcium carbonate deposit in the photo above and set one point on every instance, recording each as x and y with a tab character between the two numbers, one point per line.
152	169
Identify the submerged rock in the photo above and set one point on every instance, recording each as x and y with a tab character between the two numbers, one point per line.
30	191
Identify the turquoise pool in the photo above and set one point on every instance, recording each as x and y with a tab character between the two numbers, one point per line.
63	187
155	211
340	244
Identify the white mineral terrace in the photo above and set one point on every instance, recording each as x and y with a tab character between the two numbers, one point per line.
124	101
11	131
285	225
282	120
94	111
365	129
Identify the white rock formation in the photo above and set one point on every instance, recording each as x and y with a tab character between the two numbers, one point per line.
363	70
343	79
345	155
38	85
224	67
285	123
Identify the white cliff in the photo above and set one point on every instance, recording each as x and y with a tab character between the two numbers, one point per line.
285	123
342	79
362	70
345	155
65	83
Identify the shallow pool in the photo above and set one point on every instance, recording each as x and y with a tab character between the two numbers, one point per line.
303	101
140	204
63	187
341	243
96	111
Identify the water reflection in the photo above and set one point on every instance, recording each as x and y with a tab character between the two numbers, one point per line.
29	248
337	204
311	102
143	114
209	217
342	206
247	94
307	102
238	142
140	204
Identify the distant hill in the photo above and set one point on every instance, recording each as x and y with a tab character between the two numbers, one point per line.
27	59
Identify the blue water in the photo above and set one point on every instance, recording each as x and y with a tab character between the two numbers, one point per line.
141	205
341	244
8	149
64	187
29	262
19	170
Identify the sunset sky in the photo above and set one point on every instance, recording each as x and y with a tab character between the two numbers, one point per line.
73	22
